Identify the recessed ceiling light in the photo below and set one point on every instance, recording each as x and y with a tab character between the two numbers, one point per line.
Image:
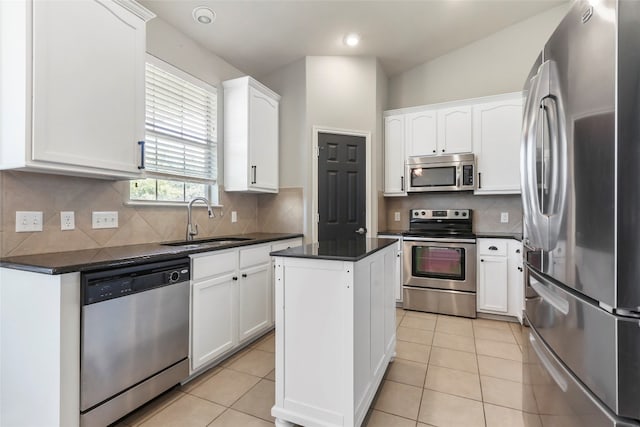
352	40
203	15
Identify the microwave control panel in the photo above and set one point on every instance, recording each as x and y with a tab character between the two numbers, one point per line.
467	175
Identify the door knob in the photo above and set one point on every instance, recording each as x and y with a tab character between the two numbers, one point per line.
361	230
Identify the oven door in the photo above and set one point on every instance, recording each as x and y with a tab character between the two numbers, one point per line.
440	264
440	177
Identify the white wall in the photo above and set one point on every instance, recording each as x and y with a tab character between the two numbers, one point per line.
496	64
290	83
342	94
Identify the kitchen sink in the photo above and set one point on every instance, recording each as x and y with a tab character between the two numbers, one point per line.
218	240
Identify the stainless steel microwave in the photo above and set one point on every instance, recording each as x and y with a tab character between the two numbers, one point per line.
453	172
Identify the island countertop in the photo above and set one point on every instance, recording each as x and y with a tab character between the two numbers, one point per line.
337	250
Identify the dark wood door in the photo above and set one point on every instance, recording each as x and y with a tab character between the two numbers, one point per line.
341	186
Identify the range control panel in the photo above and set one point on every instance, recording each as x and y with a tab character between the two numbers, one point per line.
440	214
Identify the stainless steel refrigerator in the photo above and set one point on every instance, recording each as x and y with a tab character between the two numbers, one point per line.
580	164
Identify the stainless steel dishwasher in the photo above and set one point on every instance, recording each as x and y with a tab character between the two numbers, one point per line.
135	337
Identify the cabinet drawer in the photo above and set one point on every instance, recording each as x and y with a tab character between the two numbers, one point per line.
214	264
286	244
492	247
254	255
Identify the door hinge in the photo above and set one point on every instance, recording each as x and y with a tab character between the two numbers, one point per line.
317	151
317	217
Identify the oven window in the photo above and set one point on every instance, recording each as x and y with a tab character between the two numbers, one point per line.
433	177
438	262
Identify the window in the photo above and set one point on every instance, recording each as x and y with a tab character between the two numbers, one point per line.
180	152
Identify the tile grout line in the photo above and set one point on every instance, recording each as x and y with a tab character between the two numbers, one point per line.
484	413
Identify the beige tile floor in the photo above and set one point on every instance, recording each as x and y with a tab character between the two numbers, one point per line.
449	371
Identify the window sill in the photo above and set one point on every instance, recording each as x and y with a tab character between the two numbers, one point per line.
151	203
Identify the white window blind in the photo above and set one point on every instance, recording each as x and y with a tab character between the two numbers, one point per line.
181	128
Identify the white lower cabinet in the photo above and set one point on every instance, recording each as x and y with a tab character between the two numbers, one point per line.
213	322
500	282
255	299
231	300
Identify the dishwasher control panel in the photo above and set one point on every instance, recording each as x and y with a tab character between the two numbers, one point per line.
104	285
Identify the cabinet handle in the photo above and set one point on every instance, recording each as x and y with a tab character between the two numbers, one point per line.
479	179
519	268
517	251
234	278
443	150
481	260
493	248
141	144
434	151
244	274
402	183
254	169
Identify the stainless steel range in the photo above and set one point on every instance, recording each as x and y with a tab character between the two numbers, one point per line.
440	262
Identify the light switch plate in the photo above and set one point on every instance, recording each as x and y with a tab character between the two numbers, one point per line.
28	221
396	216
234	216
106	219
504	217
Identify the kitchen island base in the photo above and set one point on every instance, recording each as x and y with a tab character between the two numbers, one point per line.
335	336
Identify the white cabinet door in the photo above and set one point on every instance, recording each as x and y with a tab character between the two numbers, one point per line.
394	156
251	136
420	133
454	130
88	83
492	284
214	318
496	138
263	141
254	299
516	279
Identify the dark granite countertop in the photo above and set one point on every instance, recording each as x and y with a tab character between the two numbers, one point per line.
498	235
391	232
337	250
118	256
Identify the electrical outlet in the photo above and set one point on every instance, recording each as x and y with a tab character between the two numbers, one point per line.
67	220
504	217
234	216
396	216
108	219
27	221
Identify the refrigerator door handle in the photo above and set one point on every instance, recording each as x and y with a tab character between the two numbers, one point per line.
557	302
557	170
551	370
537	222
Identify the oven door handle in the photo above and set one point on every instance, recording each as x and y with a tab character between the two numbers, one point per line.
437	239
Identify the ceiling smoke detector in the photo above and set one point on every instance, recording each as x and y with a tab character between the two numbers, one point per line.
203	15
352	39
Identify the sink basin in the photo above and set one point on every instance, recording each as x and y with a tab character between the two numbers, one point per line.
220	240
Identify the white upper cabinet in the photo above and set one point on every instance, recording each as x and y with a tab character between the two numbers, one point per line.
496	136
421	137
394	156
454	130
73	86
250	136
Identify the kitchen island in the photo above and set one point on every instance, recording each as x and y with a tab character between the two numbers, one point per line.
335	329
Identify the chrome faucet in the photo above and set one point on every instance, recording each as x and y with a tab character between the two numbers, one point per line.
192	229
